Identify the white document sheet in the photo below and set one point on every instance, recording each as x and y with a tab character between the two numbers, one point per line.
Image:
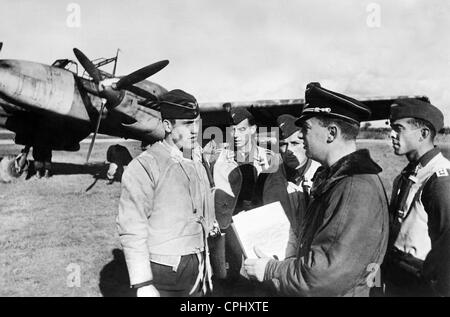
266	227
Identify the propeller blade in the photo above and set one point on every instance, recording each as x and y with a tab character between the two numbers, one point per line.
91	146
88	65
141	74
1	45
142	93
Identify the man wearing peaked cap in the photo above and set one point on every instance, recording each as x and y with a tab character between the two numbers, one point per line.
418	257
345	230
291	183
166	210
321	101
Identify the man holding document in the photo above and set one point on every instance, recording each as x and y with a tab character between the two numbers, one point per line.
343	237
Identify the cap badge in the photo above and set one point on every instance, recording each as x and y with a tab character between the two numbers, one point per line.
317	109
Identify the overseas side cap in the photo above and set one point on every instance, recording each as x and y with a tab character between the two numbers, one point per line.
177	104
286	123
414	108
240	114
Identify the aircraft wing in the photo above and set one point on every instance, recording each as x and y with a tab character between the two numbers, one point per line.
264	111
380	106
267	111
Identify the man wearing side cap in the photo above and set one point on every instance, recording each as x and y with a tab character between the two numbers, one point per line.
291	183
166	210
345	231
237	177
418	258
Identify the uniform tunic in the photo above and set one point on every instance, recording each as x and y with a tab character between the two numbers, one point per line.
421	238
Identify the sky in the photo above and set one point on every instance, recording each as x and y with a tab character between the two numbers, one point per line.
249	49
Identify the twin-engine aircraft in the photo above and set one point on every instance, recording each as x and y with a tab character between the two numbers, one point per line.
52	107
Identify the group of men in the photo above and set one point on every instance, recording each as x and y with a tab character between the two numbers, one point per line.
175	211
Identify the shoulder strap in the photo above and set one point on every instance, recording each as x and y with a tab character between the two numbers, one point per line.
209	173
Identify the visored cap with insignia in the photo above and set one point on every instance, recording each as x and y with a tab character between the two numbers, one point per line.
320	101
414	108
240	114
286	123
177	104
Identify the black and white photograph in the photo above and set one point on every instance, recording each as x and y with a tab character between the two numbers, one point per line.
224	150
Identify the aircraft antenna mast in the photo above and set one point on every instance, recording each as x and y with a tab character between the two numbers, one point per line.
115	63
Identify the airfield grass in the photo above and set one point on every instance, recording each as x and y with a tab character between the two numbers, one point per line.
51	227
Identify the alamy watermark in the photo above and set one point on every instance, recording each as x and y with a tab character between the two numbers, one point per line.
73	279
374	15
74	18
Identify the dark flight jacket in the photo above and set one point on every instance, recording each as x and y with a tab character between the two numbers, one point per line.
344	235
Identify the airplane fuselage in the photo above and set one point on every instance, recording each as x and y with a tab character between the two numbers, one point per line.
35	97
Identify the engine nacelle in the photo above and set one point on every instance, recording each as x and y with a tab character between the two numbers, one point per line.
147	123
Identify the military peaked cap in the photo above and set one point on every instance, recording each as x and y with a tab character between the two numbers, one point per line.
323	102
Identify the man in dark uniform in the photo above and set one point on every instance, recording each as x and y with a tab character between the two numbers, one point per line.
418	258
345	230
291	183
166	210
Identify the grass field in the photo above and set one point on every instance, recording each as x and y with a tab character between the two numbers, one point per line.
48	225
51	227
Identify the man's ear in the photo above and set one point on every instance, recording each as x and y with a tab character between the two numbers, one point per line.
168	127
424	133
332	133
253	129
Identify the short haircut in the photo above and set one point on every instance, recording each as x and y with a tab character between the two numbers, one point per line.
348	129
420	123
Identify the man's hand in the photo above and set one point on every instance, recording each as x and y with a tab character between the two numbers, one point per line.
255	267
147	291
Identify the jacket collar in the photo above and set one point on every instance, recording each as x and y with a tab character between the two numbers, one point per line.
173	151
427	157
414	166
358	162
296	175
